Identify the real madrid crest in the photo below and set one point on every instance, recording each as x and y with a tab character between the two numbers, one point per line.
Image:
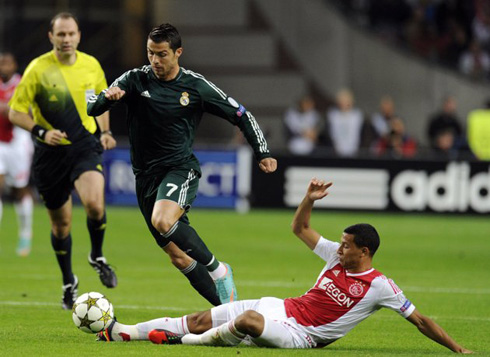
184	99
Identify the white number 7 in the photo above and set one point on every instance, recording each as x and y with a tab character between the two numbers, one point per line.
173	188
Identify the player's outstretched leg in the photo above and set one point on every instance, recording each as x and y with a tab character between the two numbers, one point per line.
224	335
164	337
120	332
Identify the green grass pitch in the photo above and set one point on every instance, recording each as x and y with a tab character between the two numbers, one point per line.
441	262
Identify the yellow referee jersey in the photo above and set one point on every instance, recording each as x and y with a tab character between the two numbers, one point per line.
58	93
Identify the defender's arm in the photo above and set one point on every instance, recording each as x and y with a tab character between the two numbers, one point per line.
435	332
317	190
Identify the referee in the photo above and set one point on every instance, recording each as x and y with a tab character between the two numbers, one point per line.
68	150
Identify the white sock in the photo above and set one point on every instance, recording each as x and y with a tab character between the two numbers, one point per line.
173	324
24	216
219	272
224	335
121	332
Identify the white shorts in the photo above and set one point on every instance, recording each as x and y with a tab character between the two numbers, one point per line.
16	158
279	330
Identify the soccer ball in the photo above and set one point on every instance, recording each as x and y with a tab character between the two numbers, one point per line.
92	312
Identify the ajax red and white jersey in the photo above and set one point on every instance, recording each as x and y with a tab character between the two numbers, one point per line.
6	92
340	300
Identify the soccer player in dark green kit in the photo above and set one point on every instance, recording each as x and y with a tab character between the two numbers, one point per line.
165	105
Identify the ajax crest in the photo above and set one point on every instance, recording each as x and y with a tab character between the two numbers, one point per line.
356	289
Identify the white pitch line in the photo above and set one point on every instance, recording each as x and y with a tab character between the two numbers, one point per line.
131	307
174	308
307	285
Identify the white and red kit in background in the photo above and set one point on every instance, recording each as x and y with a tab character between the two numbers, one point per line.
16	146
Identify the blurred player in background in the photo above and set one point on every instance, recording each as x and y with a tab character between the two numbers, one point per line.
15	156
68	151
165	105
347	291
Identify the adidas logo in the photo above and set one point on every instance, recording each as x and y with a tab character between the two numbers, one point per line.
336	272
146	94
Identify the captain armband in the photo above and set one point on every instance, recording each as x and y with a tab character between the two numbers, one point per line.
39	132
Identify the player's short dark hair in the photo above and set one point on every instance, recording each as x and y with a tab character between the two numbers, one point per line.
63	15
365	235
166	33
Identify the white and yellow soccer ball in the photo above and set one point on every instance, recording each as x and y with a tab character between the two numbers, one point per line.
92	312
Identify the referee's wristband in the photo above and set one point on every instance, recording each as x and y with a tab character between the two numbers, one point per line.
108	132
39	132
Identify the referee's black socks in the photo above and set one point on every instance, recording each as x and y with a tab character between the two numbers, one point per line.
96	230
62	249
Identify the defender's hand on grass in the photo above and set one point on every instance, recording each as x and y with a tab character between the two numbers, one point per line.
317	189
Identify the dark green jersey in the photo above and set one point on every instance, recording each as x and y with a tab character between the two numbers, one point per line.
163	117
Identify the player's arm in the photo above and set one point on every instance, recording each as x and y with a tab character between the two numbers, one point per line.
117	91
317	189
51	137
106	139
435	332
255	138
216	102
99	104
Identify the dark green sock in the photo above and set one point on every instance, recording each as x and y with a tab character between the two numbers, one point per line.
96	230
200	280
213	266
62	249
187	239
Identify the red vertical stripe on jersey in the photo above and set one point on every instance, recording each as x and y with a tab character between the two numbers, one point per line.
6	92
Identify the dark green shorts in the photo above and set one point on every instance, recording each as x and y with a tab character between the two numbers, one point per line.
177	184
56	168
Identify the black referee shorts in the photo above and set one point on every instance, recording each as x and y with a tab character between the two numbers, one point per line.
56	168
